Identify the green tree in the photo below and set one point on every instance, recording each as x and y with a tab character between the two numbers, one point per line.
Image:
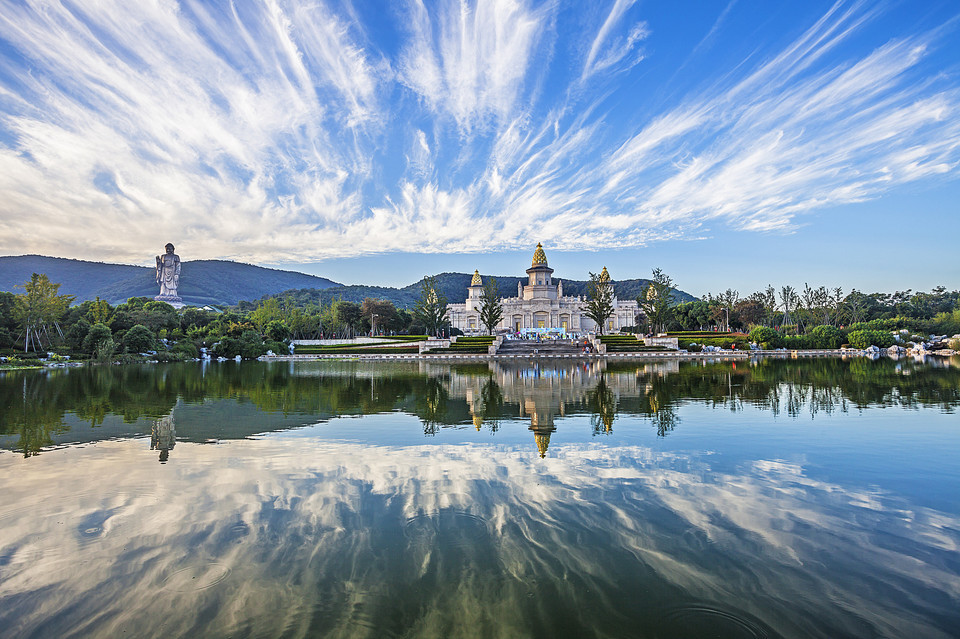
39	310
657	300
277	331
99	341
157	316
491	305
379	314
8	321
693	315
599	304
139	339
747	313
349	317
431	307
788	302
99	312
268	310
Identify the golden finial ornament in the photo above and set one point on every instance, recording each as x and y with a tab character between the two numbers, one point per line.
476	281
543	440
539	257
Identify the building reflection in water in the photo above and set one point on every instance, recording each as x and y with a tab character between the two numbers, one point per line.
163	436
546	389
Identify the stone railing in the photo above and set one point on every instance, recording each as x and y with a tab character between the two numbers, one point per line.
435	343
662	342
492	350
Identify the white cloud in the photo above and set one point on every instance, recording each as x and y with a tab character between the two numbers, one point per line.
470	61
278	131
606	51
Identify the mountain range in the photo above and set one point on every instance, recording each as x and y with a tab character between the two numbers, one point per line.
220	282
454	287
202	281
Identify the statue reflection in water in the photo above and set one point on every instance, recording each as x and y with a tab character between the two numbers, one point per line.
163	436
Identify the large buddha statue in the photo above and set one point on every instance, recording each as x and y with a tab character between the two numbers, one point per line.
168	276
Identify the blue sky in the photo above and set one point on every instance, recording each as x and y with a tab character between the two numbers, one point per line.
730	143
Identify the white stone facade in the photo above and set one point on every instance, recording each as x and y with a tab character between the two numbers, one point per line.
540	307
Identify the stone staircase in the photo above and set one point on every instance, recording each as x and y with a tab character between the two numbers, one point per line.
547	348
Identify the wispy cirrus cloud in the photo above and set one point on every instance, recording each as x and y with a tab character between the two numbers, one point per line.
282	131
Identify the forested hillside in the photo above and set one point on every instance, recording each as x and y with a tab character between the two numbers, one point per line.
454	286
201	282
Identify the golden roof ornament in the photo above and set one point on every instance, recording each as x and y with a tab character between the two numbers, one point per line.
543	440
539	257
476	281
604	276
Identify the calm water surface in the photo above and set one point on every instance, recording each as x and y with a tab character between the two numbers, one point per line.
779	498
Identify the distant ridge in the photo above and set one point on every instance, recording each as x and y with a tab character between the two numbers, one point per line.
203	281
225	282
454	286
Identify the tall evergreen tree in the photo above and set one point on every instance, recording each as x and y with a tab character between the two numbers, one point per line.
431	307
657	300
491	305
599	304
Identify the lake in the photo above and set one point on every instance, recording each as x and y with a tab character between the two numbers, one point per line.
773	498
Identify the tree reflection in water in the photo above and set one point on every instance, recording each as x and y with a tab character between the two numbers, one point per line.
39	409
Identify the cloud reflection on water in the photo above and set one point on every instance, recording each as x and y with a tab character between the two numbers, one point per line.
294	536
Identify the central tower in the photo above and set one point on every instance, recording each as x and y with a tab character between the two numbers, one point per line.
540	278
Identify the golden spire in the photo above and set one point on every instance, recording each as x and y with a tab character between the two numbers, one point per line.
604	276
543	440
539	257
476	281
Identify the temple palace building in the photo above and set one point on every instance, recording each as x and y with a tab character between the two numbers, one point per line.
539	307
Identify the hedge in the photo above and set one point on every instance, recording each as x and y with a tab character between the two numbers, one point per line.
865	338
383	350
337	348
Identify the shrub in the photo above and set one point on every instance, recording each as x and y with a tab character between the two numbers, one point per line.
228	347
251	346
874	325
720	342
865	338
946	323
826	336
171	356
139	339
766	337
797	342
103	352
186	349
278	348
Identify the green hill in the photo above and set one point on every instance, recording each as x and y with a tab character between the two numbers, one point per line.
454	286
201	281
223	282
